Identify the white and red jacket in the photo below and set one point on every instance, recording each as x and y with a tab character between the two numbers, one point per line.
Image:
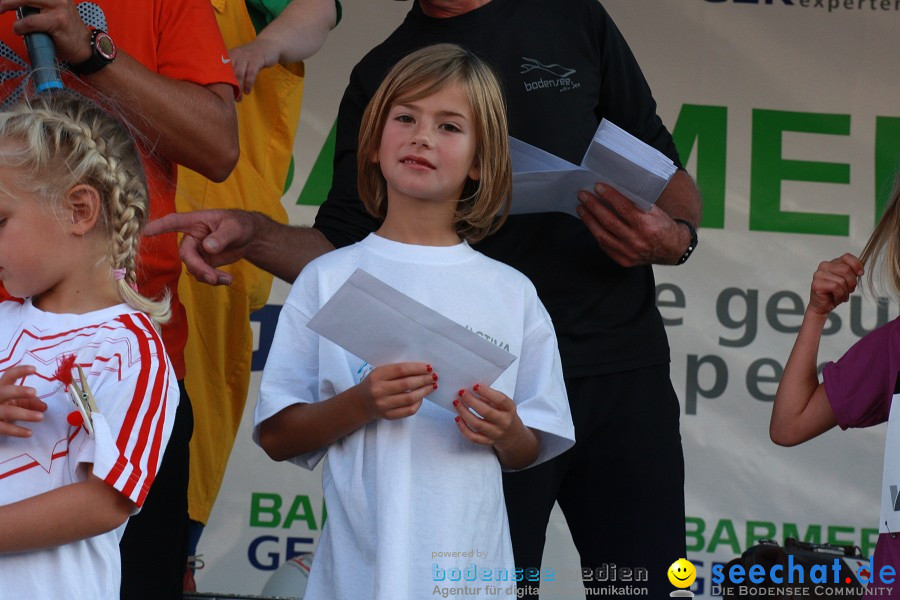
133	384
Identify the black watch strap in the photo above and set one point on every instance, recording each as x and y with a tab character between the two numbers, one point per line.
694	241
103	52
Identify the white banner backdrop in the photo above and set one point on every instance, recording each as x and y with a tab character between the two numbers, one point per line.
783	110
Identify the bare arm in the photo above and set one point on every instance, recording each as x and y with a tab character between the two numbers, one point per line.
632	236
520	450
183	122
213	238
802	410
284	250
681	199
296	34
186	123
301	428
61	516
389	392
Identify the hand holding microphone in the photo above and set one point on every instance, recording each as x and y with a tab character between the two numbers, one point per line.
41	55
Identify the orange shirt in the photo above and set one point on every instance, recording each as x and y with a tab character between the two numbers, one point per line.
176	38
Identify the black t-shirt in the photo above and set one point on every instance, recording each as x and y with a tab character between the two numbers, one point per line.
564	66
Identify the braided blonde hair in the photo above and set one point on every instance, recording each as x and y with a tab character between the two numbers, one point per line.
64	140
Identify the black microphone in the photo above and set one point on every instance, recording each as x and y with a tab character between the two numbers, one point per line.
42	55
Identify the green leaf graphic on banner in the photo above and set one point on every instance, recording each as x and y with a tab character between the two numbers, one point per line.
708	127
289	179
887	160
319	182
769	169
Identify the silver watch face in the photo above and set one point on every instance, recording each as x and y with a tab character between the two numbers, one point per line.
105	46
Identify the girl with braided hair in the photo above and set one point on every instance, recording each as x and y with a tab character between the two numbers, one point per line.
73	200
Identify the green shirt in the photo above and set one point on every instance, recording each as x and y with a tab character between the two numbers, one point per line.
263	12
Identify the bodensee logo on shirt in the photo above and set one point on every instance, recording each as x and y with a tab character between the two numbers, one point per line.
538	75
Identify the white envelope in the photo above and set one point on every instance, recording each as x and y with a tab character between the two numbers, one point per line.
543	182
381	325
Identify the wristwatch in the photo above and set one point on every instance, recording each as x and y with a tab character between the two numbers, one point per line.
694	241
103	52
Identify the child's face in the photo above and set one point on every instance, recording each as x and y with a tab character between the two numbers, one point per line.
33	241
428	147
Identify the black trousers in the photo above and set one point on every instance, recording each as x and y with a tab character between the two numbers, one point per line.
621	487
154	546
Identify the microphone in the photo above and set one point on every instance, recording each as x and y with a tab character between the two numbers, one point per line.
42	55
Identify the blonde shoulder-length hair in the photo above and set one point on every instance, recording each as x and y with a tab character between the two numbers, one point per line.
485	203
882	250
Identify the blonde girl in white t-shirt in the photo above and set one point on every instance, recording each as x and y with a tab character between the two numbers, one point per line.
406	479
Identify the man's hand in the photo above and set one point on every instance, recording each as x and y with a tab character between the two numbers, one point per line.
184	122
212	238
628	234
61	21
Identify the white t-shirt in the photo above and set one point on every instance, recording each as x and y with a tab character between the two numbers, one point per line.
130	377
412	504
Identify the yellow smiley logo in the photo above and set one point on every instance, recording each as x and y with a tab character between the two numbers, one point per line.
682	573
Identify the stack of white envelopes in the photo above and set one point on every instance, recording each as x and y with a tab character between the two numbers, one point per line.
615	158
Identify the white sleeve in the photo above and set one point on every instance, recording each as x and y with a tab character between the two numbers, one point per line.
540	396
136	393
291	374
